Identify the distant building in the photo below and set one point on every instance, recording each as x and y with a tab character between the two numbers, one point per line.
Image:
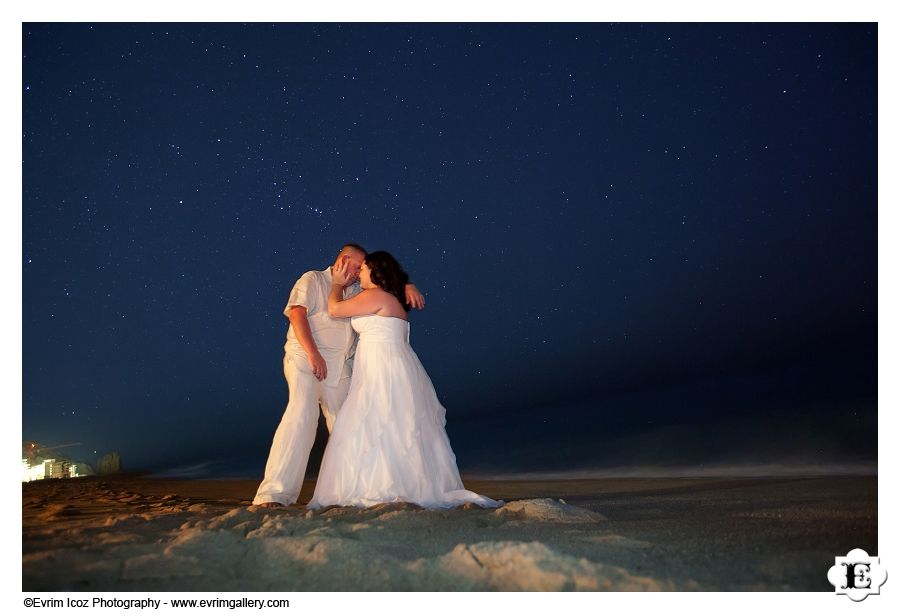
57	468
77	470
37	464
40	468
44	468
33	472
110	463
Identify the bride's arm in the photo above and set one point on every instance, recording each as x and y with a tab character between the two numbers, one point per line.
364	303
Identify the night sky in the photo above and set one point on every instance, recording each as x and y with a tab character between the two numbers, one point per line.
640	244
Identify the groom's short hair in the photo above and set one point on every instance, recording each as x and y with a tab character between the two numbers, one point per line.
355	246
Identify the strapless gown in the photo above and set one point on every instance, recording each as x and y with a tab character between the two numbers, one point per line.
388	442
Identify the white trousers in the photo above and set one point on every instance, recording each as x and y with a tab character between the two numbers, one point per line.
296	432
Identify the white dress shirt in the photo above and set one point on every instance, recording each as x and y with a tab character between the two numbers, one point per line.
334	337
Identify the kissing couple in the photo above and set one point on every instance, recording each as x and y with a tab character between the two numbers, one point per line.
387	440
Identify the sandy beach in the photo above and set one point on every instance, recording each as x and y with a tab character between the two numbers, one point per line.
129	532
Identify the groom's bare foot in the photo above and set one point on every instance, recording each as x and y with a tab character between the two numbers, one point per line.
271	504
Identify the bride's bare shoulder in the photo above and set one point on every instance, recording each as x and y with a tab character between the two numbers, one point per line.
387	300
377	293
374	291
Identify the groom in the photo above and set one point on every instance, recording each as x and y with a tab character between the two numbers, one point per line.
318	358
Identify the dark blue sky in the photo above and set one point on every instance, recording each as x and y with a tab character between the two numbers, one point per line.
638	242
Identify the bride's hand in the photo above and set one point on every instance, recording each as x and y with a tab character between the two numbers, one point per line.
341	274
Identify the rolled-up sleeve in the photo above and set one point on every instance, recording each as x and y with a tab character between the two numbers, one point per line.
303	293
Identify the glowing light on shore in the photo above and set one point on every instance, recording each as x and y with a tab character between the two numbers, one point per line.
35	472
53	468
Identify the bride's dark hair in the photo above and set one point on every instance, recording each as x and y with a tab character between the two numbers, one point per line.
387	274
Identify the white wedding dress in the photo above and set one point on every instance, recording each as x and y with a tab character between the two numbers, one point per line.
388	441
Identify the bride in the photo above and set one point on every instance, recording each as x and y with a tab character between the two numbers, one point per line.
388	441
